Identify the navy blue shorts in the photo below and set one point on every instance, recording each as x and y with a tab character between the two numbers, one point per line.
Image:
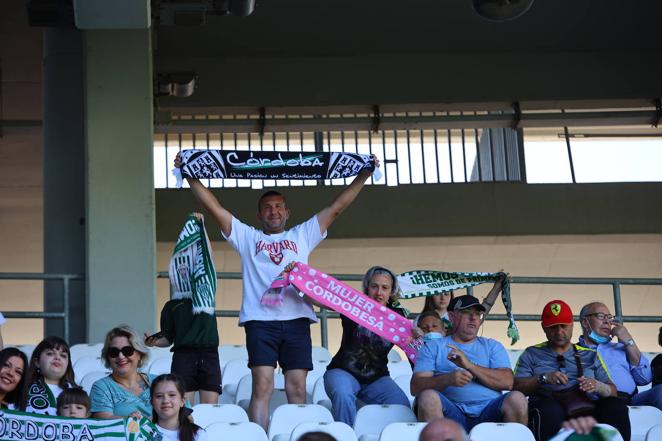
199	368
286	342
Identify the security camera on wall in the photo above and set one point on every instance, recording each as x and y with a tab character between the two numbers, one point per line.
501	10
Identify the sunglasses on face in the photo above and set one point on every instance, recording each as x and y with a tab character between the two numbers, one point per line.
127	351
601	316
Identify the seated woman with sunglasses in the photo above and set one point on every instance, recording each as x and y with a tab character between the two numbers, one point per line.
125	392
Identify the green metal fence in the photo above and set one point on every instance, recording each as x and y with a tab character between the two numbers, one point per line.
325	315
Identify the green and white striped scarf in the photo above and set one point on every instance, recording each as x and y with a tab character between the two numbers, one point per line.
191	270
22	426
41	399
427	283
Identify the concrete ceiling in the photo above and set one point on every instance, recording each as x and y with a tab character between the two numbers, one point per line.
346	27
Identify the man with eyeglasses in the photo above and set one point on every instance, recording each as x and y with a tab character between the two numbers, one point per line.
628	367
461	376
557	365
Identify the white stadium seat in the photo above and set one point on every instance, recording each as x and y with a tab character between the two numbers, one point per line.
513	356
493	431
654	433
372	418
397	368
233	371
236	431
85	350
287	416
404	382
85	365
642	418
160	366
156	352
319	368
401	431
206	414
319	394
91	377
27	350
340	431
228	353
321	353
394	355
244	390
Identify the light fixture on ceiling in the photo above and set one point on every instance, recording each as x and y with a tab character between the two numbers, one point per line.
501	10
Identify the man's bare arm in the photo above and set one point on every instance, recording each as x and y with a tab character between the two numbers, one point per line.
343	200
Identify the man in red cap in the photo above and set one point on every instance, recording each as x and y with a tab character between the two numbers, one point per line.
557	365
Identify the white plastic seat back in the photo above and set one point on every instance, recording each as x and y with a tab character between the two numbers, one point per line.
513	356
404	382
27	350
642	418
160	366
507	431
156	353
85	365
319	394
372	418
227	353
320	353
319	368
206	414
89	379
340	431
231	374
654	433
394	355
401	431
236	431
287	416
397	368
85	350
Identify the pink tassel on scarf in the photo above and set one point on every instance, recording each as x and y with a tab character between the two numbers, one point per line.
276	292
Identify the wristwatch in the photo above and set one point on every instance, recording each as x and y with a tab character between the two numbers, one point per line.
629	342
542	379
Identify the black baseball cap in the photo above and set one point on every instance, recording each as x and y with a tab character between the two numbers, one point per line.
464	302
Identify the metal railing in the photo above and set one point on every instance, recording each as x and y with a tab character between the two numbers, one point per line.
325	315
64	315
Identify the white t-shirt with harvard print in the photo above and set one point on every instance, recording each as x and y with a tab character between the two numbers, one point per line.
263	257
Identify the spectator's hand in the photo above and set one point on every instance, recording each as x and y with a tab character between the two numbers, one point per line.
149	340
136	414
588	384
289	267
199	216
460	377
620	332
459	358
377	164
417	332
178	161
581	425
556	377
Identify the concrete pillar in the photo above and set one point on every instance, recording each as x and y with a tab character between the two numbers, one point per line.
121	265
64	177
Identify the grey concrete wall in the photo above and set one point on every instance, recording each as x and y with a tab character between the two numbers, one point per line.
475	209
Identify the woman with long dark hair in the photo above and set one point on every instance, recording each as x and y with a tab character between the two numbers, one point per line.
50	372
13	364
169	412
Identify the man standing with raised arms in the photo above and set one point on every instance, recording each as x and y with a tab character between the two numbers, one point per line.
277	329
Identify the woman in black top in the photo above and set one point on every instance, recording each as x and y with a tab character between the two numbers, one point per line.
359	369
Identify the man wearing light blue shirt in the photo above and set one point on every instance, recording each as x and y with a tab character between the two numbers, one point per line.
461	376
628	367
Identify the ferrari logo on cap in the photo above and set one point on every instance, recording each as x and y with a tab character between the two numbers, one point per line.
555	308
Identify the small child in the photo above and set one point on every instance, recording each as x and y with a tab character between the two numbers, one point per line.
73	403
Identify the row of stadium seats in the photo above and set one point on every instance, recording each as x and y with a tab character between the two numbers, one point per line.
379	423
